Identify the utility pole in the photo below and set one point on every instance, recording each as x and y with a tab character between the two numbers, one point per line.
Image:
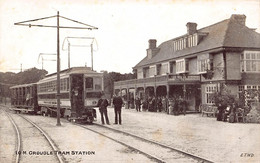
58	48
58	70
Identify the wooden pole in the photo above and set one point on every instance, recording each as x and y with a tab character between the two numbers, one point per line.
58	72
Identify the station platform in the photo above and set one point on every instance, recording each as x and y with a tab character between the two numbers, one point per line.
204	136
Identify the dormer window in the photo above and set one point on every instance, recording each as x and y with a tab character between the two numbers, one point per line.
185	42
193	40
182	66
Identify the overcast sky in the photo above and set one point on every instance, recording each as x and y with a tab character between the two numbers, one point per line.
124	28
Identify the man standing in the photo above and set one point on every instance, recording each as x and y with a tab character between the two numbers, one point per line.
117	101
102	104
138	104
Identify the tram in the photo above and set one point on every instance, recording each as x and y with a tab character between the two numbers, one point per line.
80	90
24	98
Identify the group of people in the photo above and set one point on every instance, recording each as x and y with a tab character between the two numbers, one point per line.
226	112
162	103
151	104
103	103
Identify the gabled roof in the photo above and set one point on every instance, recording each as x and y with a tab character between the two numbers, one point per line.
227	33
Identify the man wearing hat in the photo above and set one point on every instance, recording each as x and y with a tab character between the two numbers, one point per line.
102	104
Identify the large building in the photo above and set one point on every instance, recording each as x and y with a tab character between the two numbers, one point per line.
195	64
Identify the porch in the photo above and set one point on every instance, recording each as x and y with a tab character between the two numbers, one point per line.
170	86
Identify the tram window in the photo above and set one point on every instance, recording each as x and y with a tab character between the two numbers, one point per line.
97	87
98	83
89	83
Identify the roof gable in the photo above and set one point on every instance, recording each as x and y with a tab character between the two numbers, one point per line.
227	33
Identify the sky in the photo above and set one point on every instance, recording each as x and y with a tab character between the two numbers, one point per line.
124	28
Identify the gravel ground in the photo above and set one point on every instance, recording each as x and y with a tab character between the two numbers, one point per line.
7	139
203	136
71	138
32	142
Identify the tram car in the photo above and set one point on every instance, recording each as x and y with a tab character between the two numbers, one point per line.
80	90
24	98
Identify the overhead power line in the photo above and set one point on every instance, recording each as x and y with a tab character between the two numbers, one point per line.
90	27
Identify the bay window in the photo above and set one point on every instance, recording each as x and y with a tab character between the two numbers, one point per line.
250	61
204	65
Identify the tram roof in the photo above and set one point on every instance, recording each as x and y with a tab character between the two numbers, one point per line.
22	85
75	70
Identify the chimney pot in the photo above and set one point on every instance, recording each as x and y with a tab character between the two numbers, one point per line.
152	43
241	19
191	28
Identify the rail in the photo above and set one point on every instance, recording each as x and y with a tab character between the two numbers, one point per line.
163	146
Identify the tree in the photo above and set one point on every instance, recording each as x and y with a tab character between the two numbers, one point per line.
223	97
111	77
9	79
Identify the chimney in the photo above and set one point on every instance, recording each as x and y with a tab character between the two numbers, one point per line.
152	50
191	28
241	19
152	43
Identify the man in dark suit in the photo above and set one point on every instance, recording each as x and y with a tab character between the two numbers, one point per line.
102	104
117	102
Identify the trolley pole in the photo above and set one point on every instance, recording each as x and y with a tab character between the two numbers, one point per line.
58	72
68	54
91	56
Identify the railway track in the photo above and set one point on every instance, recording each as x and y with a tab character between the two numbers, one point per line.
152	149
25	150
156	151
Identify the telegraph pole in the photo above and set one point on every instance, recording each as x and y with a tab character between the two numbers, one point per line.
58	70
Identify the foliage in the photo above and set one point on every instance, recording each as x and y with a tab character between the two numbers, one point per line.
249	96
28	76
223	97
111	77
8	79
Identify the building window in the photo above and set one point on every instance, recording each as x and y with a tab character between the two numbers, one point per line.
164	69
182	66
250	61
204	65
210	89
241	88
158	69
152	71
171	67
139	73
146	72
